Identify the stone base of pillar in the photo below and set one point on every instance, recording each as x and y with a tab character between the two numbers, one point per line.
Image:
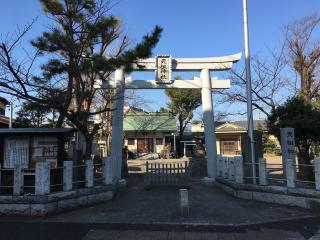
208	181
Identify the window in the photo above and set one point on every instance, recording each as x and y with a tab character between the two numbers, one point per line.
229	147
130	141
159	141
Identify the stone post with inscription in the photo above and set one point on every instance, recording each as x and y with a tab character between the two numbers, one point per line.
291	173
287	146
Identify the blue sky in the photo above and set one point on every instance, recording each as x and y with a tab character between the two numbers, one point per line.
201	28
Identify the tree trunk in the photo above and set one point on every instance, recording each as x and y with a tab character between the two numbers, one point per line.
180	146
88	151
60	120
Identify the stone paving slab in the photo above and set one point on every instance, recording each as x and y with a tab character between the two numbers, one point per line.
265	234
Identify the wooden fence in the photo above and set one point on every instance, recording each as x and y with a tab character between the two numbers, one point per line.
166	174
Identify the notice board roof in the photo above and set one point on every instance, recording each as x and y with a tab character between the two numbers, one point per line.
26	131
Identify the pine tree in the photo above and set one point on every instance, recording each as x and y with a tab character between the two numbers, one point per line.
84	43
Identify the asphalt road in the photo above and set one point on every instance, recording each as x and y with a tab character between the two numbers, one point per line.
307	228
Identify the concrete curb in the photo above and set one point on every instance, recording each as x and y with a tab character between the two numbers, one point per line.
304	198
54	202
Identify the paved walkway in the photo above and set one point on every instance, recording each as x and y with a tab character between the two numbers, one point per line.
139	214
208	205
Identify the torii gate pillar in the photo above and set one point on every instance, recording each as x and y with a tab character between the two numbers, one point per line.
115	162
209	126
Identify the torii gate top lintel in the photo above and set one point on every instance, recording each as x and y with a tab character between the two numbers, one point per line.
191	64
178	64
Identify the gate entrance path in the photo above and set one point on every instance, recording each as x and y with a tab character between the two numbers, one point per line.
208	206
138	214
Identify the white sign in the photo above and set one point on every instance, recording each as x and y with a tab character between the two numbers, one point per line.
287	144
16	151
163	69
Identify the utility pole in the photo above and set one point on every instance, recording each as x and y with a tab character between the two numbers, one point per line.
249	91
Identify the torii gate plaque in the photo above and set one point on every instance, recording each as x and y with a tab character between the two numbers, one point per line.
163	65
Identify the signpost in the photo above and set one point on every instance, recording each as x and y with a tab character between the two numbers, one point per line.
163	72
287	146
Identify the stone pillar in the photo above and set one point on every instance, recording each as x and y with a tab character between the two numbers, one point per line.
287	146
209	127
17	180
263	175
89	173
231	169
106	170
184	150
67	175
219	165
117	125
239	175
317	172
42	185
290	173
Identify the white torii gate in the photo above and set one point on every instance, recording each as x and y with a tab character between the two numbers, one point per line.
163	65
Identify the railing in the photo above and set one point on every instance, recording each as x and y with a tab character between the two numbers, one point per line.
43	179
56	179
291	175
248	176
78	176
305	175
275	174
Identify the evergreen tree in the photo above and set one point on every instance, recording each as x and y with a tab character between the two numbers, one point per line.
182	103
301	115
31	115
84	43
